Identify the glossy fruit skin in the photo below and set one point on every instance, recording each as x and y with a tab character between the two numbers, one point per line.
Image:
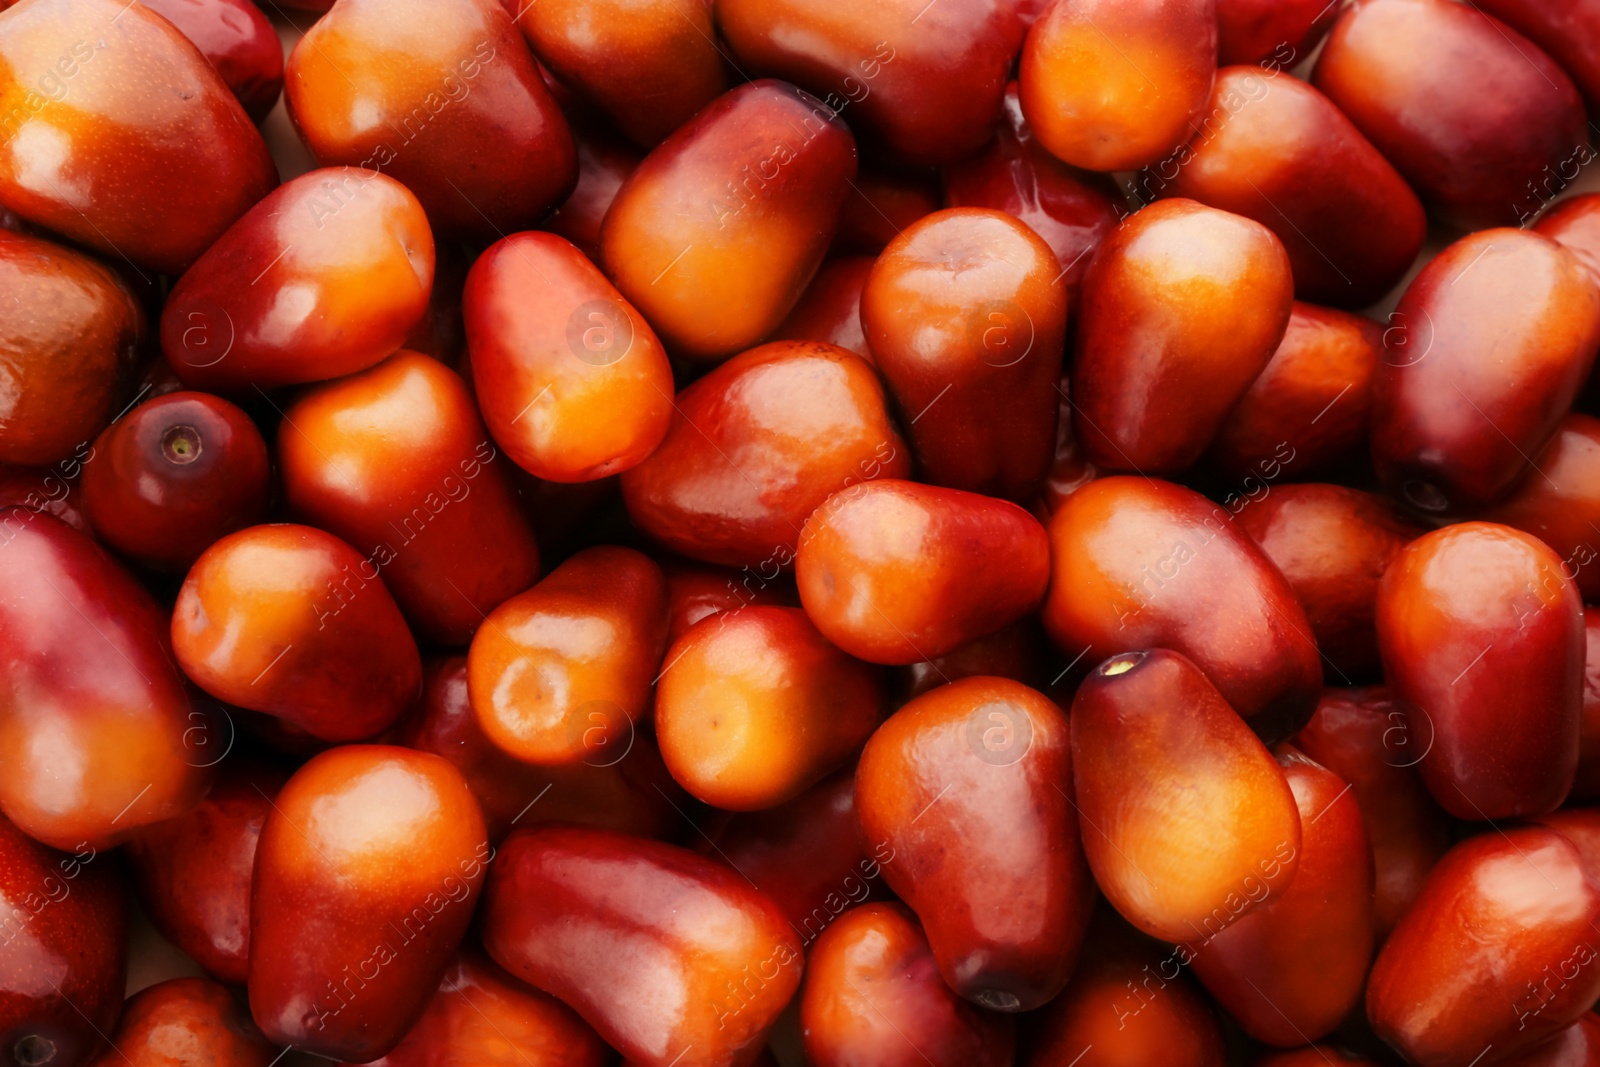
665	953
291	621
883	201
830	309
238	40
1560	504
696	590
896	572
625	788
1152	737
64	922
194	872
1361	736
573	383
482	1015
715	268
1071	209
1586	781
1574	223
1567	31
492	153
1308	410
925	89
395	461
1292	968
1183	307
174	475
159	155
185	1021
1505	320
650	66
1128	1004
566	667
349	250
808	854
372	857
604	162
872	981
1070	470
1469	148
1004	913
1576	1046
1332	544
52	490
1132	560
71	329
93	711
1478	622
1267	152
754	706
966	320
1495	951
1259	31
1016	652
1085	88
755	446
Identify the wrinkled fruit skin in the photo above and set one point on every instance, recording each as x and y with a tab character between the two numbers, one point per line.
1496	951
64	923
1004	913
717	233
1473	620
1132	561
117	104
183	1021
671	957
366	876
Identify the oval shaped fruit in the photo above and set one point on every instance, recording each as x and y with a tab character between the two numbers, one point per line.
1485	353
1560	503
1071	209
194	871
65	920
569	664
293	622
830	309
70	331
872	982
1351	228
1470	146
120	136
756	445
236	38
717	233
604	162
1187	822
396	461
572	381
1569	32
1128	1003
883	200
1139	564
481	1015
896	572
622	785
1480	628
1361	736
94	716
366	876
1574	223
444	98
967	321
1292	968
50	490
1308	410
174	475
324	277
1004	912
1115	84
1183	307
650	66
1497	951
672	958
1270	31
924	85
697	590
1333	545
754	706
186	1020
